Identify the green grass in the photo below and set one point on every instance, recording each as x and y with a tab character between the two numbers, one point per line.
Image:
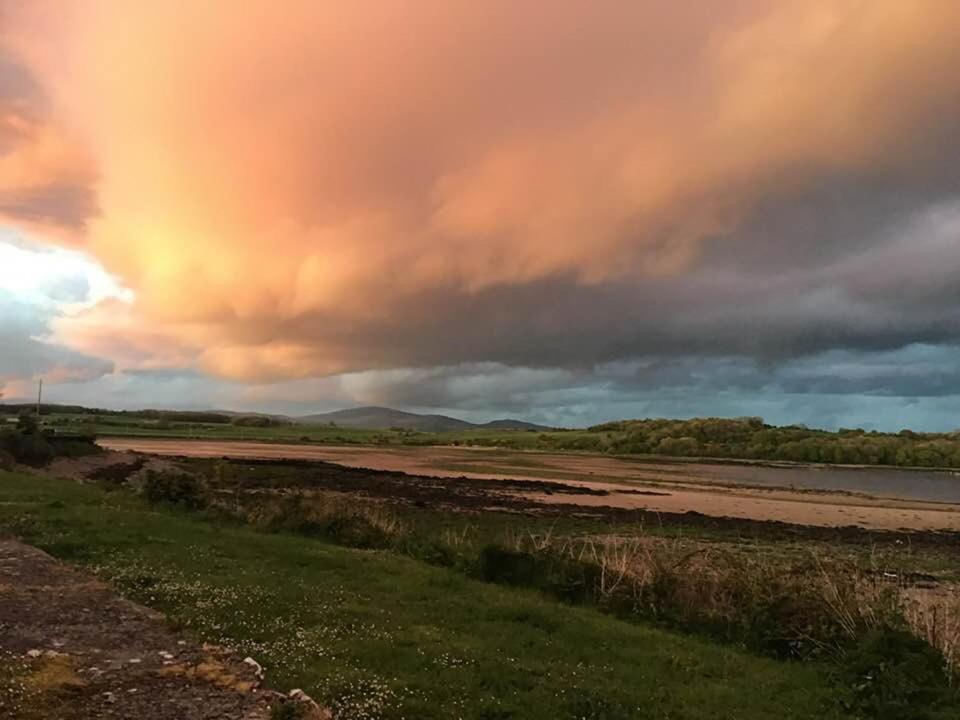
323	434
378	635
736	440
132	427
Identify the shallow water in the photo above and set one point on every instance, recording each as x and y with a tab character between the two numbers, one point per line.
925	485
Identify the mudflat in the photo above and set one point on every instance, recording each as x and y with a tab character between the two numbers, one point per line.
874	498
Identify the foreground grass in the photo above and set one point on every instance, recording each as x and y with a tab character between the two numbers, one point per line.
377	635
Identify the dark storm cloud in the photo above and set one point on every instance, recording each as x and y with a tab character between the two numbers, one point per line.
892	284
484	387
914	376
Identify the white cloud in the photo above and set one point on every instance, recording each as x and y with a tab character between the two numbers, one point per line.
38	285
54	277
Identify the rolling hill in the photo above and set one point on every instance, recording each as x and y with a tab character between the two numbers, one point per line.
374	418
381	417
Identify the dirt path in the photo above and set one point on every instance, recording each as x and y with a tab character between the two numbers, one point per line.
672	489
71	649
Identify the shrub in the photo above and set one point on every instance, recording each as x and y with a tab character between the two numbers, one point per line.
352	523
259	421
894	675
7	460
174	488
27	423
30	446
430	550
508	567
9	440
75	447
566	578
34	450
350	530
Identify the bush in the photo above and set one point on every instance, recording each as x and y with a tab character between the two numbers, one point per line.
9	440
34	450
173	488
191	416
7	460
429	550
259	421
27	423
32	447
893	675
565	578
351	530
508	567
353	523
75	447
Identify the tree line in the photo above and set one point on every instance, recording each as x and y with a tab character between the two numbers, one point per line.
751	438
748	438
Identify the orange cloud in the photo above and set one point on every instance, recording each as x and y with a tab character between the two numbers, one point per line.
113	329
284	187
46	177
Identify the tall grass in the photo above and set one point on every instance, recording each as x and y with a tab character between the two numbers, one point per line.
934	615
350	521
807	607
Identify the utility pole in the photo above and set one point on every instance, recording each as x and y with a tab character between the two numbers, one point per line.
39	398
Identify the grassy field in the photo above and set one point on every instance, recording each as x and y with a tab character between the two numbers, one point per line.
120	426
380	635
904	450
722	439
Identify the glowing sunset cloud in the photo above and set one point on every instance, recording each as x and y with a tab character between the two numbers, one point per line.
311	188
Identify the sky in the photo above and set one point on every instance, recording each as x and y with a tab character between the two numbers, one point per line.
567	213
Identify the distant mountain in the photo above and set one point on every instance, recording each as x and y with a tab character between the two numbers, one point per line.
378	418
381	418
374	418
508	424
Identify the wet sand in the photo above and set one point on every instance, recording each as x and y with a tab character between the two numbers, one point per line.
714	490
